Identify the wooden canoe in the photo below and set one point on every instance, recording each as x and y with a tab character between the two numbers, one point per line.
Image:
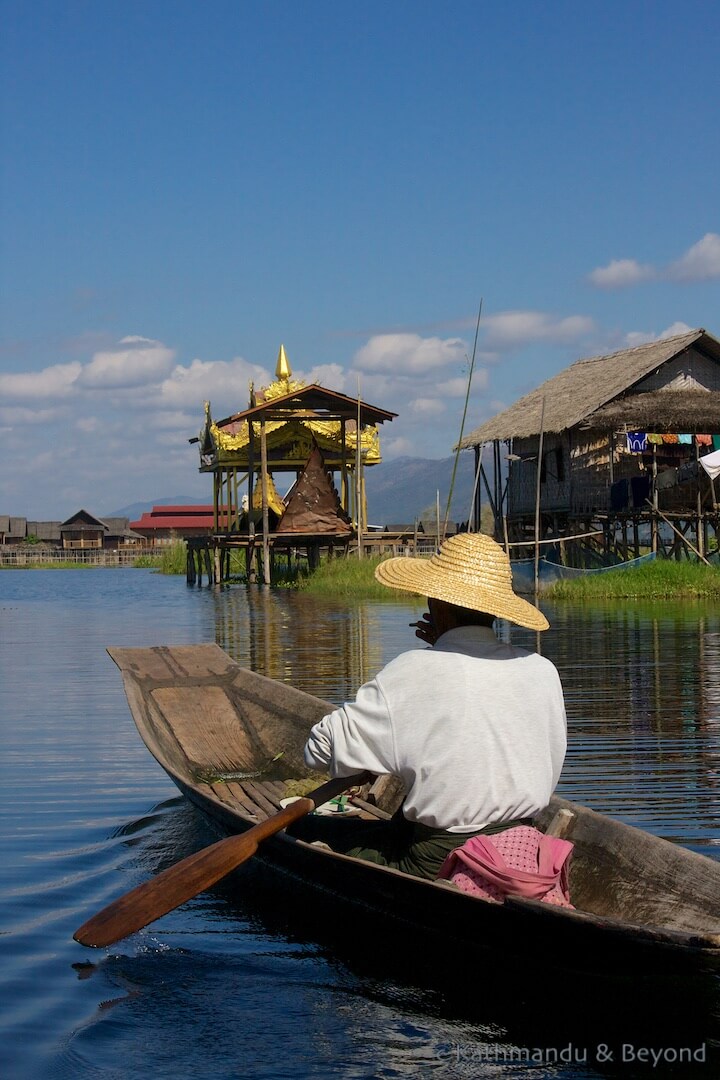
230	739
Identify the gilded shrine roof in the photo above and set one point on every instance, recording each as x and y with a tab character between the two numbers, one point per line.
297	416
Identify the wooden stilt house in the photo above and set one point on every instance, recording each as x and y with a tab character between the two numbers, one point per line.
608	451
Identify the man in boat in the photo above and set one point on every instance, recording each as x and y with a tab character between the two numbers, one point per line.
473	726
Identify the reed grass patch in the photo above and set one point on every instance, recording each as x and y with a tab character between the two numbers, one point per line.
663	579
347	577
172	560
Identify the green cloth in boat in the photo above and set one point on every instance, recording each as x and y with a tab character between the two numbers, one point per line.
404	845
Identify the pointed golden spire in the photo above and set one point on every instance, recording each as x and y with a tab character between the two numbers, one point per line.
282	371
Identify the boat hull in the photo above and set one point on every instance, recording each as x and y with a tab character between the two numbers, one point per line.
642	903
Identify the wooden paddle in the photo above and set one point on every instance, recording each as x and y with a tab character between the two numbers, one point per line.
198	872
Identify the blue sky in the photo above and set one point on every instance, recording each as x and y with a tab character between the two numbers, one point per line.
186	185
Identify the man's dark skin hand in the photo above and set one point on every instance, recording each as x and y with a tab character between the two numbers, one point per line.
434	622
441	617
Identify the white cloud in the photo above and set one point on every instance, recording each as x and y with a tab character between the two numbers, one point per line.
57	381
20	416
642	337
331	376
427	407
513	329
176	420
135	361
222	382
674	329
458	387
701	262
620	273
88	424
398	447
406	354
170	439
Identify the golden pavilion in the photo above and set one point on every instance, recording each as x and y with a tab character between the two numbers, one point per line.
322	438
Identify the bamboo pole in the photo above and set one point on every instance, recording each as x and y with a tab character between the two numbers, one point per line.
358	480
343	467
251	482
654	503
464	415
678	533
489	493
699	532
554	539
264	493
474	515
537	499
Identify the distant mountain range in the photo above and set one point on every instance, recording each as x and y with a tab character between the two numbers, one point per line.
406	488
398	491
137	509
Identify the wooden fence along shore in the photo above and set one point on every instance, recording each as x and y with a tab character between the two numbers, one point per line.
24	556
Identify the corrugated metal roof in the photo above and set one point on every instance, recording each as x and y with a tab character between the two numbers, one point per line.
171	511
584	387
151	522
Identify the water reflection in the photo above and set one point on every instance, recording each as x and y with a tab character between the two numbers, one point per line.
326	648
642	687
259	977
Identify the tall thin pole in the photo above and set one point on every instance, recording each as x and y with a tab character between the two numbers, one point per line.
264	494
537	499
358	479
474	516
462	422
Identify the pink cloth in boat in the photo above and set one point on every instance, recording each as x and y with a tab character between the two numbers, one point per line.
517	862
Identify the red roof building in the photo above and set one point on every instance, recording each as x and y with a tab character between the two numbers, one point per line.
164	524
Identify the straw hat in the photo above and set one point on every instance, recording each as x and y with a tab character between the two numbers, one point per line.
470	570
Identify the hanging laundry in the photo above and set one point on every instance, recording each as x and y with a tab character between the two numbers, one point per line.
640	488
636	442
619	495
711	464
670	439
657	439
703	440
685	439
687	472
666	479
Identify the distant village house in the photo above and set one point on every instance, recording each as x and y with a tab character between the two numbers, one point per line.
611	445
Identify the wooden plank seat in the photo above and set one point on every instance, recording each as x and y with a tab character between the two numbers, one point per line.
259	800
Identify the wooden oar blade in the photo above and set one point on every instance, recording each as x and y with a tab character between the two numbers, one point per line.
179	883
165	892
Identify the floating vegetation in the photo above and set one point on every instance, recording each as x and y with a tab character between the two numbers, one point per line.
348	577
663	579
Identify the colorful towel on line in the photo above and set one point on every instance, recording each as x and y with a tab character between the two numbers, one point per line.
518	862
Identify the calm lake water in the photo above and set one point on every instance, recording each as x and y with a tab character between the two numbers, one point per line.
258	978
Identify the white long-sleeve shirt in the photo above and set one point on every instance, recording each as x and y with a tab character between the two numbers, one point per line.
475	728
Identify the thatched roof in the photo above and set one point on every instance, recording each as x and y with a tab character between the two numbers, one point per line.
13	527
583	392
44	530
692	411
